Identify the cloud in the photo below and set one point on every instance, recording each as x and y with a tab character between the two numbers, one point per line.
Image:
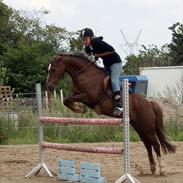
147	3
59	6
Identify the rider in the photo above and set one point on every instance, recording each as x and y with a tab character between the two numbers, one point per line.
111	60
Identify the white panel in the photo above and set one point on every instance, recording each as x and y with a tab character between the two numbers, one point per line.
159	78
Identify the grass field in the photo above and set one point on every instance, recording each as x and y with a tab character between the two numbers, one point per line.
26	131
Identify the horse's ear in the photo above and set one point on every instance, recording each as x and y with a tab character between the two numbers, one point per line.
58	57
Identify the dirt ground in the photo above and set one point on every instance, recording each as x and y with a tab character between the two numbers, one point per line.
17	160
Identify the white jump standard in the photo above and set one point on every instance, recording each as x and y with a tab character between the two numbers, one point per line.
85	121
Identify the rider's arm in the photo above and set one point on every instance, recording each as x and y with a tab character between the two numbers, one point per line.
104	49
104	54
88	50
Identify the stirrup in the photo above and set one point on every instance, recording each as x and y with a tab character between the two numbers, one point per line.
117	111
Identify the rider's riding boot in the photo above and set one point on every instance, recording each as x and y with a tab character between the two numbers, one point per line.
117	104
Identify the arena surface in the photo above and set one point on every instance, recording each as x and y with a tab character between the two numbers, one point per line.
17	160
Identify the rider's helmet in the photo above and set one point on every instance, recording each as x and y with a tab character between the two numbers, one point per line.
87	32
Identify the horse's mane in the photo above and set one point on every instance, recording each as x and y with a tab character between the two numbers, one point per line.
80	55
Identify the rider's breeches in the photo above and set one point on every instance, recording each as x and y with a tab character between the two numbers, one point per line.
115	74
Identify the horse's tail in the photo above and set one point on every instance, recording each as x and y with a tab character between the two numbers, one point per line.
160	131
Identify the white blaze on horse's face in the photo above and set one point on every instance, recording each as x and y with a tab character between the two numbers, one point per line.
49	67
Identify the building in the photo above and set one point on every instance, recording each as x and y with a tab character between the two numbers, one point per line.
164	82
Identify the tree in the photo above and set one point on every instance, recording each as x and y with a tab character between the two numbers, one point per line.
176	46
75	42
148	57
26	46
5	32
28	49
5	26
27	65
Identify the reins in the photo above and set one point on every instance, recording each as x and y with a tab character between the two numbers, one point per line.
82	69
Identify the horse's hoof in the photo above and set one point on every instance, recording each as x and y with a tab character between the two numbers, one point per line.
162	174
153	170
142	172
85	110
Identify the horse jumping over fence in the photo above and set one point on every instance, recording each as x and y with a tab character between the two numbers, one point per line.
90	89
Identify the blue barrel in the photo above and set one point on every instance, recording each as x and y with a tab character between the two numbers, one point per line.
139	83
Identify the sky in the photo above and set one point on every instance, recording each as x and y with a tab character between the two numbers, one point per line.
108	17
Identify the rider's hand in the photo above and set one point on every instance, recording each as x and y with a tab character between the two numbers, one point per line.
97	55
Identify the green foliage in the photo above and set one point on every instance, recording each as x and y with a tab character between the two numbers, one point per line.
75	42
148	57
174	128
3	131
27	65
2	74
26	46
5	25
170	54
10	134
66	85
5	33
176	51
70	133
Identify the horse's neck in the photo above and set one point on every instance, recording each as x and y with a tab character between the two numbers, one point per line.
89	77
74	66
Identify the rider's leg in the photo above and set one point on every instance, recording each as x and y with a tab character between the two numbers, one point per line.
107	70
115	74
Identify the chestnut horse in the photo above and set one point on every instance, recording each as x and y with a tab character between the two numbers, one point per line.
88	90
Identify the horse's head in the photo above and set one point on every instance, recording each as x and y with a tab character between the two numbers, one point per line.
56	70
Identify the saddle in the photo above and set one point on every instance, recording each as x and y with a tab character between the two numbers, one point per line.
107	84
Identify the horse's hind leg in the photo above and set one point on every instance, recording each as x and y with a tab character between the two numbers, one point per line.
152	139
156	146
151	158
150	154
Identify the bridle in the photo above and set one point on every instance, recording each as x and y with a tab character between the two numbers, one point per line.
77	72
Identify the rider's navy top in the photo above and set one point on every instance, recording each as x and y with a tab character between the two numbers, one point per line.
99	46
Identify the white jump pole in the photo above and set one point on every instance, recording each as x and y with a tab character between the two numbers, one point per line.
126	136
55	94
61	96
46	99
41	164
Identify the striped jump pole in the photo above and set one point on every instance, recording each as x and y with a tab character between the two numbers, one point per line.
84	121
81	121
70	147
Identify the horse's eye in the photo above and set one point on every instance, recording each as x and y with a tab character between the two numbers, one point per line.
52	68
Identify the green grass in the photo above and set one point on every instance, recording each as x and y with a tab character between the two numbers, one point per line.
174	128
27	129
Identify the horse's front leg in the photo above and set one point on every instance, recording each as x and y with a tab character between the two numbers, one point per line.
70	102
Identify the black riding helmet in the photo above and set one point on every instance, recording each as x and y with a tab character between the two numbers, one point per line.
87	32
